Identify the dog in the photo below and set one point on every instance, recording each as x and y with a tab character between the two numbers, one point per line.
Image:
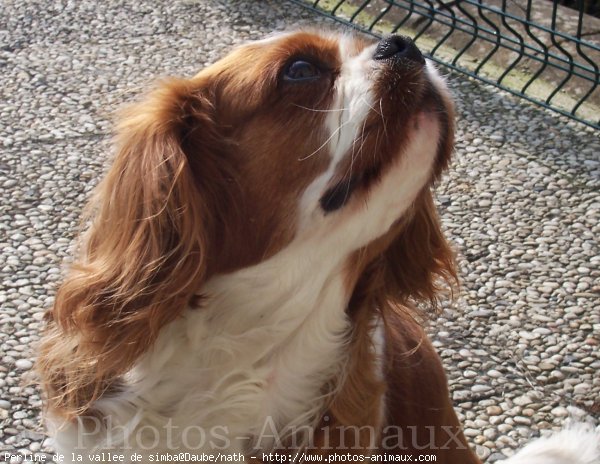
250	282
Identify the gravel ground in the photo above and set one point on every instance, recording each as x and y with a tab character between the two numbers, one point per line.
522	205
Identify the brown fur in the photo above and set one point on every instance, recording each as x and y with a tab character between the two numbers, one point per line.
206	177
186	197
141	260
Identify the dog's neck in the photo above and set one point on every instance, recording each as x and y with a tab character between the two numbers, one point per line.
252	363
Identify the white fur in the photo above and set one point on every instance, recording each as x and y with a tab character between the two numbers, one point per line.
256	357
352	103
378	340
578	444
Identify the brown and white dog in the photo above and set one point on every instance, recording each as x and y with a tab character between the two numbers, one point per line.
256	253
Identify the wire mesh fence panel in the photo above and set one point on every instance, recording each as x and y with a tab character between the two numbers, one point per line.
545	51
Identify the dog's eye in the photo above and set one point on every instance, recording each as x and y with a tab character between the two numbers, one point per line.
301	70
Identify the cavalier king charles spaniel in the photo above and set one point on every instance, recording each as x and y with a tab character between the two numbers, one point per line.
249	282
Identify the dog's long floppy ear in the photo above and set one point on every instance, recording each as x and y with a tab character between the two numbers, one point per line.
419	264
145	252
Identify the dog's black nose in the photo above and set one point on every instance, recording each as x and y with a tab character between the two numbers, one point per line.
397	47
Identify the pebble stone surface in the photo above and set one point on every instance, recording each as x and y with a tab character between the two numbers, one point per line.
521	204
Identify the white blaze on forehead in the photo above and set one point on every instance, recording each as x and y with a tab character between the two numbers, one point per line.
354	98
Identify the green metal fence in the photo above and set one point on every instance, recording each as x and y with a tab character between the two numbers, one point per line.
543	51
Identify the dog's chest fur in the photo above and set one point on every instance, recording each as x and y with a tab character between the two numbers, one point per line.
252	362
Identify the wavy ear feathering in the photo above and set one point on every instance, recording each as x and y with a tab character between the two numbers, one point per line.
419	263
144	254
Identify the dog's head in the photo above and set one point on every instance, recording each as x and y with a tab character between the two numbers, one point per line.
298	138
